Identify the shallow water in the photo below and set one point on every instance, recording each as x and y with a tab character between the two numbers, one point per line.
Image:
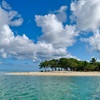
49	88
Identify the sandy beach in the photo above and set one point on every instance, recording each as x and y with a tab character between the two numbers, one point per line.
56	73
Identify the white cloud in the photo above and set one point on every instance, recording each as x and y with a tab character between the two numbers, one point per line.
56	37
61	14
9	17
19	47
2	53
86	13
5	5
93	41
16	22
52	44
54	31
47	51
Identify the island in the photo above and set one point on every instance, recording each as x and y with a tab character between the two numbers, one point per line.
65	67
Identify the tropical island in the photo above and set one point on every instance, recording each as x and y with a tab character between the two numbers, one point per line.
65	67
69	64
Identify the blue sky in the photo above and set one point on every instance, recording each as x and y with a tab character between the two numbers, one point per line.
35	30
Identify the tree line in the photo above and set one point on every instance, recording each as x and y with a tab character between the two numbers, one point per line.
71	64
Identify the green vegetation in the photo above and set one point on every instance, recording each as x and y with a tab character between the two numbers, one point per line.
69	64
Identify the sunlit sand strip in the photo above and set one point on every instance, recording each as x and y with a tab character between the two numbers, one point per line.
62	73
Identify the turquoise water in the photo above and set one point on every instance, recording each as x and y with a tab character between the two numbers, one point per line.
49	88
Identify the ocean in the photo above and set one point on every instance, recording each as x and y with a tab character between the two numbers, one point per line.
14	87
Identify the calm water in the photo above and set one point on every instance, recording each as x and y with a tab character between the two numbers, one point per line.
49	88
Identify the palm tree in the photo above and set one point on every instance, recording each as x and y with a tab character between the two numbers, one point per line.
53	64
93	60
70	63
63	63
44	65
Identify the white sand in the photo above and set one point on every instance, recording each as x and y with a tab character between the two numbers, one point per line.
56	73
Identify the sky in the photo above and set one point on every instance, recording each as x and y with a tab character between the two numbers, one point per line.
32	31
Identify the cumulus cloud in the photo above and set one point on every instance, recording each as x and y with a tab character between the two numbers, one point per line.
16	22
11	46
2	53
9	17
55	32
61	14
86	14
93	41
19	47
56	36
52	44
47	51
5	5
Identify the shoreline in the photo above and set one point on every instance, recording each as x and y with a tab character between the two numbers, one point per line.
55	73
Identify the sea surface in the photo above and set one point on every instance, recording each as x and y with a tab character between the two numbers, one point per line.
14	87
